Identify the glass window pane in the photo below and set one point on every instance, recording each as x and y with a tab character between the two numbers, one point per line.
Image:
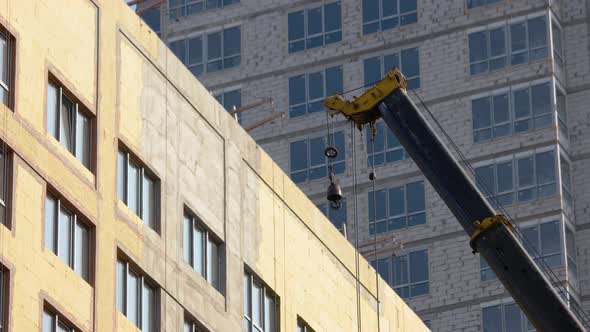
231	41
501	109
314	21
392	60
83	130
48	322
372	68
525	171
213	263
415	197
247	295
370	10
178	48
4	60
269	313
410	62
187	239
541	96
505	181
497	42
121	174
316	146
82	251
296	25
133	188
545	163
198	243
550	238
480	109
232	98
419	266
61	327
332	16
522	103
213	46
65	231
407	6
531	234
52	109
537	32
478	46
257	304
518	39
66	130
148	298
133	284
400	270
485	179
195	50
149	201
298	155
334	80
187	327
383	267
50	223
316	85
492	319
297	90
397	202
121	277
512	317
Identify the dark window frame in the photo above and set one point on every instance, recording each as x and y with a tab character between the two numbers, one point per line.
253	279
303	326
414	82
339	163
7	188
76	218
144	280
398	16
207	235
303	43
4	298
308	101
9	87
143	172
59	320
77	108
183	9
388	217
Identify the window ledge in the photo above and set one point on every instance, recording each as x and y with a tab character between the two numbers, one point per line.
71	162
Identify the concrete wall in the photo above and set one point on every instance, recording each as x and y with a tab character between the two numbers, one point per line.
146	100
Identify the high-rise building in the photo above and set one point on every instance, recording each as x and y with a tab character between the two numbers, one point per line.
509	81
131	201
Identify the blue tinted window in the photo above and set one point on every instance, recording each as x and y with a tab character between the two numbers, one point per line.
336	216
388	14
397	208
180	8
307	91
307	159
315	27
152	18
408	61
407	274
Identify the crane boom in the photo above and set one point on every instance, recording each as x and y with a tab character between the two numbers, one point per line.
490	234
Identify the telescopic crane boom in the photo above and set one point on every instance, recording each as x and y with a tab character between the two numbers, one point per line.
490	234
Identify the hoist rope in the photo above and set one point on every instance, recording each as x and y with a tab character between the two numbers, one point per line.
374	207
531	248
356	228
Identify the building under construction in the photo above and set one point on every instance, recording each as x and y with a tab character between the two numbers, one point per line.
507	80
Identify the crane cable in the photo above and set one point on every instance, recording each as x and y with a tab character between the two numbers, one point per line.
567	296
356	228
373	177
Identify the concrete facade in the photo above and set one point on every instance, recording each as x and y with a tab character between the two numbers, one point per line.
457	294
140	97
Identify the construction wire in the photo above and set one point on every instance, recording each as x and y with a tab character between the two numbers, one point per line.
356	228
546	269
373	177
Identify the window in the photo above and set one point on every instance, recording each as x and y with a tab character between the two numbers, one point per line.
308	161
546	240
397	208
231	99
138	188
408	62
406	274
561	105
7	71
566	180
202	250
519	179
260	306
69	122
480	3
505	318
572	265
557	43
485	271
67	236
387	148
180	8
517	43
3	299
302	326
315	27
151	16
209	53
381	15
307	91
52	322
336	216
191	325
5	183
136	297
513	112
